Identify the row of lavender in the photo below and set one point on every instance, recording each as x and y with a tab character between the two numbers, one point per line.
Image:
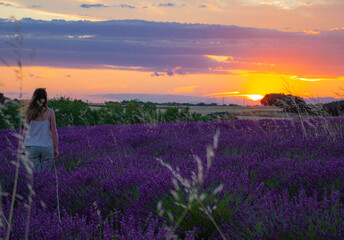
282	179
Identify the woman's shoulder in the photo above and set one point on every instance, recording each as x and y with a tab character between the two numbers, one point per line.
50	111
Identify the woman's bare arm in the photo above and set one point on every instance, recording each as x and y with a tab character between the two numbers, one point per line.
53	130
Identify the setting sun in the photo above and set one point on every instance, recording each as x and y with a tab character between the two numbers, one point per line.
254	97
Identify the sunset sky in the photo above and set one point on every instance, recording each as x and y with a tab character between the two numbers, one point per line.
203	50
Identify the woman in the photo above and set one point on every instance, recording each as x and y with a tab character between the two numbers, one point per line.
40	133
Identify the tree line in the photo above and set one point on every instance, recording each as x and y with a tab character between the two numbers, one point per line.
73	112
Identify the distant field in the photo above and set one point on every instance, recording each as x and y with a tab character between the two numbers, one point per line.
241	112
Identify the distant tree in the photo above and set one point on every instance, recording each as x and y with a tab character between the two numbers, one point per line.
272	99
2	98
201	104
334	108
289	103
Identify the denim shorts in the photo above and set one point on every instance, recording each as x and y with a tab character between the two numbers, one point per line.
42	157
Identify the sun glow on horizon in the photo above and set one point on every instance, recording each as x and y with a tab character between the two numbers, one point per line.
234	88
254	97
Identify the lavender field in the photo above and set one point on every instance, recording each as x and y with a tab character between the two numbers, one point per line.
282	179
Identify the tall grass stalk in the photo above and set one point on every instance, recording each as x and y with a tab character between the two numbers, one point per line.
305	115
31	193
30	169
14	193
3	219
193	192
57	192
15	44
20	150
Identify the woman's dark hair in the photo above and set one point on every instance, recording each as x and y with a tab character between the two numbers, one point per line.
37	104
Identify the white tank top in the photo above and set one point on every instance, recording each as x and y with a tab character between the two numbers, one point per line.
38	134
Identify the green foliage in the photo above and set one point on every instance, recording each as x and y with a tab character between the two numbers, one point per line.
112	113
4	123
92	116
125	198
9	117
173	114
132	112
192	207
73	112
69	112
196	218
138	112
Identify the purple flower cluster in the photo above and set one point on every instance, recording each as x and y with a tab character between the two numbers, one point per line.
282	180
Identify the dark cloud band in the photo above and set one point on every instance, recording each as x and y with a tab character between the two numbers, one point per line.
175	48
99	5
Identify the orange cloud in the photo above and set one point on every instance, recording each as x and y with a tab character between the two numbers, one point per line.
220	58
336	29
311	32
311	79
